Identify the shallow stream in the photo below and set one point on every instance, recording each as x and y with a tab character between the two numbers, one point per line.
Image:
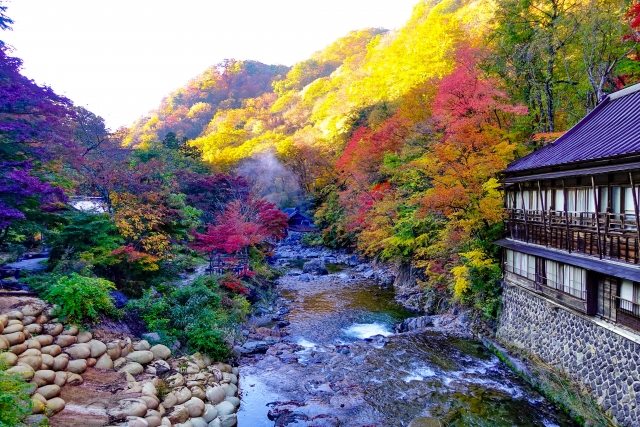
334	361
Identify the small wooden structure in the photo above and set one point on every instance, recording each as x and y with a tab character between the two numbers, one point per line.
298	221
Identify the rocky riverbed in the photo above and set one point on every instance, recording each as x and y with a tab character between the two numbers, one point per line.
326	354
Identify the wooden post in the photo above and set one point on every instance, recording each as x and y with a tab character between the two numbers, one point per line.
543	209
566	216
524	211
596	201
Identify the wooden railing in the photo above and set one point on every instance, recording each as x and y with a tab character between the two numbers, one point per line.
629	306
606	235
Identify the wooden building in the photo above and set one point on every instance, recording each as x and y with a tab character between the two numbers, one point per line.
298	221
573	226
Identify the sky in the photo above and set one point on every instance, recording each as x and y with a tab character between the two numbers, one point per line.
119	58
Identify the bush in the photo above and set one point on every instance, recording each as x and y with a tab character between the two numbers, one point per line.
81	299
202	316
15	403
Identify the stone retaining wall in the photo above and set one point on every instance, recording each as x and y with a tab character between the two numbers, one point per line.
604	362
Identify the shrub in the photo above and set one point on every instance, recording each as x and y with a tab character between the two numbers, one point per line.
81	299
202	316
15	403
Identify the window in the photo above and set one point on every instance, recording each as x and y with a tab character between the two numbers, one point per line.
566	278
521	264
630	297
580	200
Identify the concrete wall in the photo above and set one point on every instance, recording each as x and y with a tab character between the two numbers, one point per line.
603	358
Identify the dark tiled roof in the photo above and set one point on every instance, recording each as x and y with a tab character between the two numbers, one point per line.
612	129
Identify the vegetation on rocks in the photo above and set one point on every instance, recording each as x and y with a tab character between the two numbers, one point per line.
15	403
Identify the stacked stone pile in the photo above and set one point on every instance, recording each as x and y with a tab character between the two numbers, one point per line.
161	390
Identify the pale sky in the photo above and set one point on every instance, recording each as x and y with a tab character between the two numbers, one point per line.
119	58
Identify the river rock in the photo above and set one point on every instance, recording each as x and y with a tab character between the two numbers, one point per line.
141	345
14	314
91	362
4	320
215	423
34	329
49	391
198	422
18	348
160	352
415	323
170	400
119	363
4	343
47	361
152	402
44	340
74	379
128	408
195	407
198	391
104	362
55	405
34	361
114	350
8	358
315	266
175	380
33	343
179	414
133	368
230	389
229	420
78	351
182	394
44	377
231	378
18	327
60	379
60	362
234	401
153	420
32	309
254	347
71	330
149	389
77	366
140	356
52	350
225	408
66	340
84	337
25	371
15	337
38	404
53	329
97	348
216	395
137	422
210	412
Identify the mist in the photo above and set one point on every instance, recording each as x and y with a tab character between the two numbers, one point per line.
272	180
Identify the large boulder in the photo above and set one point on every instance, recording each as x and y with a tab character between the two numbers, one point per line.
140	356
315	266
97	348
195	407
225	408
104	362
77	366
414	323
55	405
78	351
49	391
216	394
133	368
160	352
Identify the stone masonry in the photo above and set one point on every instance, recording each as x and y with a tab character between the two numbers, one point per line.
601	360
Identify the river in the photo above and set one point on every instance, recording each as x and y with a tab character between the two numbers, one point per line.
328	357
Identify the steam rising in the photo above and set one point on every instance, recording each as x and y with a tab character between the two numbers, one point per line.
271	180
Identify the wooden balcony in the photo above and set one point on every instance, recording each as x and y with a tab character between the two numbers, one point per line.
605	235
